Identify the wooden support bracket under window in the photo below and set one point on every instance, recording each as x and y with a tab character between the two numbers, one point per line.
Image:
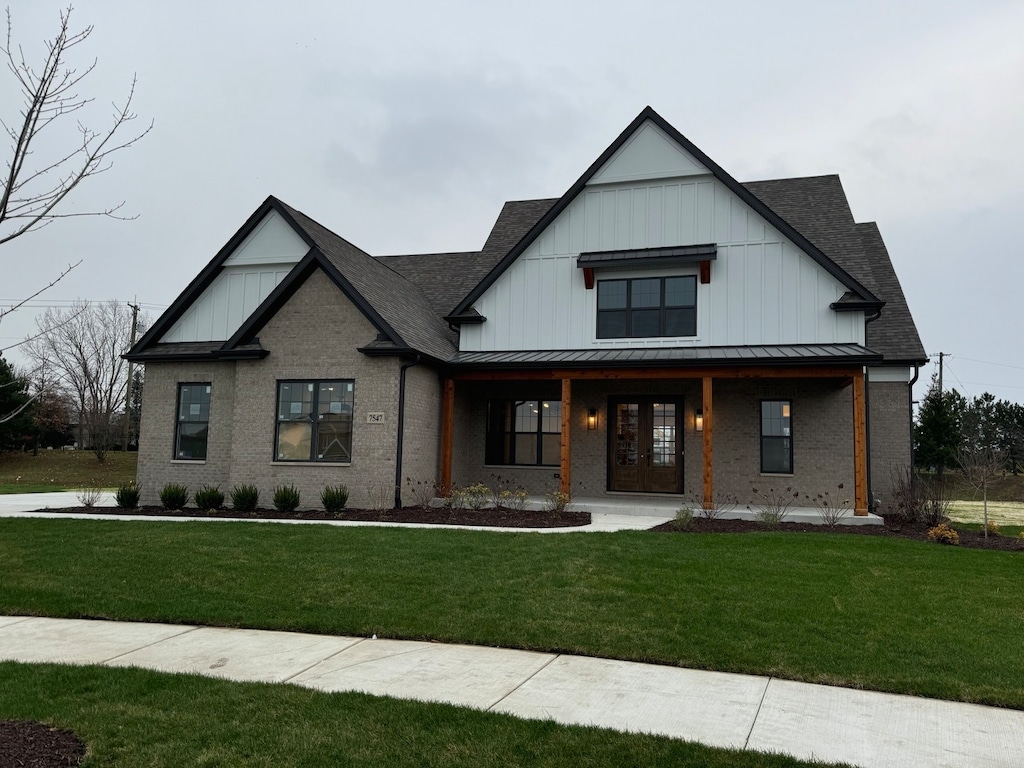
588	278
705	272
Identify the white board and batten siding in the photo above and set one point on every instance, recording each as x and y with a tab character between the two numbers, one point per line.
250	273
651	194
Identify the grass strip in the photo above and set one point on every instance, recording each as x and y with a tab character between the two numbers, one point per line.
878	613
63	470
131	717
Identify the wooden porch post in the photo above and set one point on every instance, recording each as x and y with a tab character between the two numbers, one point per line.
860	452
564	469
447	430
709	425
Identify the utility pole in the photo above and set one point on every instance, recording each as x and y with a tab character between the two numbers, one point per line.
941	355
131	378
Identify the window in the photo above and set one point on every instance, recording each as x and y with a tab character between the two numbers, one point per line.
648	306
193	424
776	437
525	432
314	421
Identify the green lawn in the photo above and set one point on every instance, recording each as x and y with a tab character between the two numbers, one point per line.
879	613
64	470
132	717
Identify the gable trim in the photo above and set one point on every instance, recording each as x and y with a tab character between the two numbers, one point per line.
717	171
287	288
209	273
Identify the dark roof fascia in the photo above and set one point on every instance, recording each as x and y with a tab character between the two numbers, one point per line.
286	289
202	281
469	317
389	351
193	357
857	306
899	363
738	189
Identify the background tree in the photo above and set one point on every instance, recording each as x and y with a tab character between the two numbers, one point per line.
980	457
51	416
135	408
937	433
15	408
82	345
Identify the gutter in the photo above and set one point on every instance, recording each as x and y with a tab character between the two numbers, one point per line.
910	403
401	429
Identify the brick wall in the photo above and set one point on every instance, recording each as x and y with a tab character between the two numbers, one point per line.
422	442
314	336
889	419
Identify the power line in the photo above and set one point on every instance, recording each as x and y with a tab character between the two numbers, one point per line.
987	362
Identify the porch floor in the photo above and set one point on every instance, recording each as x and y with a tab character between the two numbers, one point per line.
650	505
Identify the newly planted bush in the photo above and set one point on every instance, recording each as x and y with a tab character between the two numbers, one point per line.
127	495
210	497
245	498
88	497
174	496
684	519
334	498
773	507
943	534
286	498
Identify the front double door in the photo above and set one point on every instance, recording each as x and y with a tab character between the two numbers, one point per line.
645	445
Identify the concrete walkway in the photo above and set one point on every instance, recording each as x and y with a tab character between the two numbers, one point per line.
36	504
725	710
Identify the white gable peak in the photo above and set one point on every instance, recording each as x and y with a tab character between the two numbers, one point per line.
272	241
648	154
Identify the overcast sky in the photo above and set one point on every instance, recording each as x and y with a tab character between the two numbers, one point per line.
405	126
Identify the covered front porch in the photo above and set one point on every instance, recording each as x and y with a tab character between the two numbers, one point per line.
663	436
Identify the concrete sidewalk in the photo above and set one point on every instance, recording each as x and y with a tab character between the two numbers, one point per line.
725	710
37	504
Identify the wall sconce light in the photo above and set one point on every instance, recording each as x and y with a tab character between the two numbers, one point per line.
592	419
698	420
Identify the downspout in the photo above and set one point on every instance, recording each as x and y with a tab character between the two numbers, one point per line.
910	411
401	429
867	413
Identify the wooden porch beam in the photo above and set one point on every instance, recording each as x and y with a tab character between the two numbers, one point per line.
565	454
566	443
860	453
709	424
746	372
447	434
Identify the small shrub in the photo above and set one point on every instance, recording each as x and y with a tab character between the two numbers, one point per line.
245	498
831	509
513	500
943	534
773	506
721	503
423	491
88	497
174	496
209	497
476	496
334	498
684	519
127	495
992	528
556	502
381	495
286	499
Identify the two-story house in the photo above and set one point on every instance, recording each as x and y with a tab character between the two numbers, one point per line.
660	328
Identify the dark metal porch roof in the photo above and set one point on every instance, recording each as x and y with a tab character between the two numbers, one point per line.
781	355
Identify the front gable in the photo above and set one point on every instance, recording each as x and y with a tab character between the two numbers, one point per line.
654	190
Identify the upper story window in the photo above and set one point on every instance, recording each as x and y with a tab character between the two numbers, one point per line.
192	429
647	306
314	421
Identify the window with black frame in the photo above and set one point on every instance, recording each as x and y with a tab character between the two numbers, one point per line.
524	432
192	429
776	437
314	421
646	307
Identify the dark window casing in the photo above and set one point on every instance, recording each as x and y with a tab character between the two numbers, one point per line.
314	421
776	437
524	432
642	307
192	424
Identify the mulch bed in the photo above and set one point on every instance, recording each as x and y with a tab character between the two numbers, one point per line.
497	517
35	745
904	530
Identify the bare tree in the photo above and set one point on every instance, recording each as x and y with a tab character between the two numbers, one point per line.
980	463
82	346
34	187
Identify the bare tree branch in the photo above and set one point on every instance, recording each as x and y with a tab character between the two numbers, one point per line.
31	193
14	307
